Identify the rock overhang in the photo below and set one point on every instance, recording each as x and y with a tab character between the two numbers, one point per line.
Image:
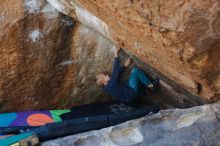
161	35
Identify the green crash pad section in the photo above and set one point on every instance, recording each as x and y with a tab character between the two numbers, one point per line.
14	139
56	114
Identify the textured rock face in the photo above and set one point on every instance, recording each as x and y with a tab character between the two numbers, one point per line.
47	60
195	126
178	38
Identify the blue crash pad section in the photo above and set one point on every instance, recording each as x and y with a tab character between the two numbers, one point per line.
7	119
14	139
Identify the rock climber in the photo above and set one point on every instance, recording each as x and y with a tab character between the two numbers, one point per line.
127	92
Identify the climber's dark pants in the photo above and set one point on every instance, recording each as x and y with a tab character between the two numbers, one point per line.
137	76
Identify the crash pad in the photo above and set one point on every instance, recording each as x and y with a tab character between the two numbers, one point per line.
31	118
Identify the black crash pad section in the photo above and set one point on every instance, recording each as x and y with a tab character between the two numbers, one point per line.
93	117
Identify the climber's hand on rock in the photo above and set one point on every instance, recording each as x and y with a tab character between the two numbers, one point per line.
127	62
117	49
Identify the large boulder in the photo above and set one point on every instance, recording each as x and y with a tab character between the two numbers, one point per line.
47	60
197	126
178	38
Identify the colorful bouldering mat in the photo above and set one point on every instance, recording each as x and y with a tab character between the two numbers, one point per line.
31	118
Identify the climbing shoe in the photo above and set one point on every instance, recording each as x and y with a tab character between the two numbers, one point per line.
154	84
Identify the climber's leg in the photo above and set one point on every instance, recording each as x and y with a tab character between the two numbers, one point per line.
143	78
133	79
152	84
137	76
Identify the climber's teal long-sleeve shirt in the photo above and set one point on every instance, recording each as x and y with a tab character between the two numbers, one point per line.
121	91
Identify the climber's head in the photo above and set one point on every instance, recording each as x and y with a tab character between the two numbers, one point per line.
102	79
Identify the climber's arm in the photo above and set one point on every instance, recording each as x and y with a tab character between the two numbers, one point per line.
116	66
116	70
117	62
